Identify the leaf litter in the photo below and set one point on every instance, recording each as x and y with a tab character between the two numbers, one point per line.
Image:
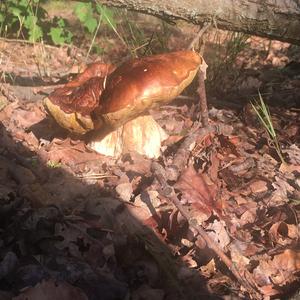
79	225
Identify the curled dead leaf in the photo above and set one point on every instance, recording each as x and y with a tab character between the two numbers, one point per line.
283	233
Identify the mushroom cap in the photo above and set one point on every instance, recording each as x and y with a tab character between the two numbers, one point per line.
92	101
144	83
71	105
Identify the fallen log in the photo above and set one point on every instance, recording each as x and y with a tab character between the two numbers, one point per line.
278	20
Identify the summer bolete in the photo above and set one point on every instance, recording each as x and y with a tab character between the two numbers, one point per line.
117	101
72	105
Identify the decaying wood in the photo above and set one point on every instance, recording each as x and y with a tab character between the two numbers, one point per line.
273	19
244	277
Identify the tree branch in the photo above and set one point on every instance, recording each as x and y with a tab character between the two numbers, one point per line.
273	19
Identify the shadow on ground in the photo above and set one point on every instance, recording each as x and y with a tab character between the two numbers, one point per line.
56	227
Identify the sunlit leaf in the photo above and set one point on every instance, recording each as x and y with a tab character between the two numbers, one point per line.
35	33
91	24
56	35
107	14
83	11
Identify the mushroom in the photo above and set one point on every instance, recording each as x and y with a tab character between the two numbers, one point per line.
71	105
117	103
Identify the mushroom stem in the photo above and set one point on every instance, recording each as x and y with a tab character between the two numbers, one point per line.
142	134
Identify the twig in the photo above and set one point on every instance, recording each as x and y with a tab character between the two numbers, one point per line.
199	35
95	176
179	163
201	88
202	99
169	192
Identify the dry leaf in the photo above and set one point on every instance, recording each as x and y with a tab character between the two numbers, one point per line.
209	269
294	154
277	272
218	233
287	168
124	191
236	255
288	261
282	189
26	118
198	192
258	186
283	233
70	153
248	248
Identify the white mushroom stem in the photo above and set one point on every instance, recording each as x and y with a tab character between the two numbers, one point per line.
142	134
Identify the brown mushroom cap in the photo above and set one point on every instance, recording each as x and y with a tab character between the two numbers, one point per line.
92	101
71	105
144	83
96	69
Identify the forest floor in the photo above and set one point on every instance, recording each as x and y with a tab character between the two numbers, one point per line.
78	225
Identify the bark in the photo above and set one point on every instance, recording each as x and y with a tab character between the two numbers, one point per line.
274	19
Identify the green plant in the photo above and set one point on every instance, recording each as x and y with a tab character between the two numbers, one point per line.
295	201
29	20
21	17
263	113
163	36
34	161
86	15
226	48
53	164
108	17
58	32
134	37
91	16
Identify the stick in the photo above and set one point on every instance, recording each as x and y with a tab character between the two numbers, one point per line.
201	88
199	35
202	99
